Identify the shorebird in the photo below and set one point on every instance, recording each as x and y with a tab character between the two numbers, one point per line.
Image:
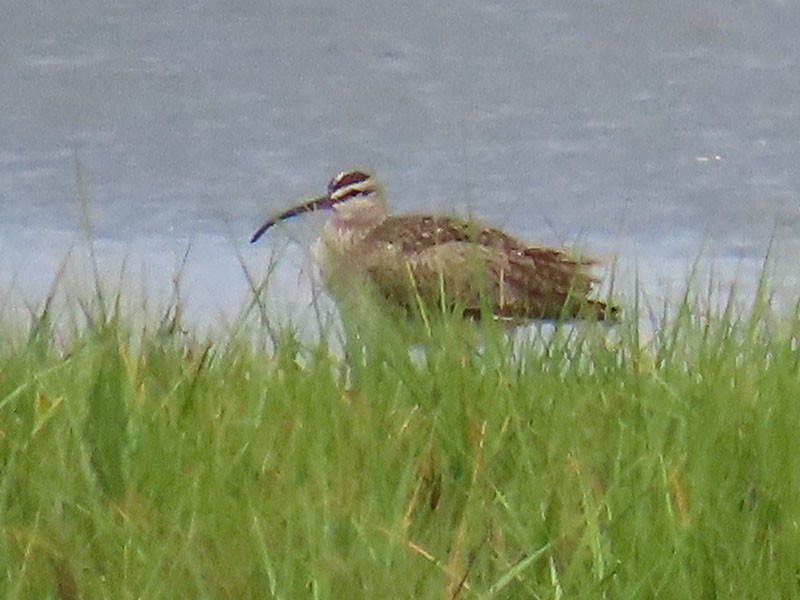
434	262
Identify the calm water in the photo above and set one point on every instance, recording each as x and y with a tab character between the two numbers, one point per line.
642	130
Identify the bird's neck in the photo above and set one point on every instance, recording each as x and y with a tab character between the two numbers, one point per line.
357	217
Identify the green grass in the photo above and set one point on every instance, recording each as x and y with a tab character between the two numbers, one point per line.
588	462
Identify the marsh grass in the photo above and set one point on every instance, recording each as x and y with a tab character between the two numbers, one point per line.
138	461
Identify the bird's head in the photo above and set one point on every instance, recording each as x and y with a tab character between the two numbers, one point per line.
353	195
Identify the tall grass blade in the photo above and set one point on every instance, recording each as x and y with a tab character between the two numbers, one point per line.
105	427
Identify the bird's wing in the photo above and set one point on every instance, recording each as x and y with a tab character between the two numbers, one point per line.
524	283
440	260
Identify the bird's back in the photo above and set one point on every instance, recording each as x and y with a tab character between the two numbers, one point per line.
441	260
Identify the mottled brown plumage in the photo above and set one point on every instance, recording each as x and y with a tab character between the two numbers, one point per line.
431	262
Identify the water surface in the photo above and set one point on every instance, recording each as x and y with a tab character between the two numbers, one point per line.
648	132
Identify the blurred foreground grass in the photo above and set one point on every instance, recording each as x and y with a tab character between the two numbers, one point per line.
584	462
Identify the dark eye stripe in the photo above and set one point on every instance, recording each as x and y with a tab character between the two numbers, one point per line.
344	194
345	179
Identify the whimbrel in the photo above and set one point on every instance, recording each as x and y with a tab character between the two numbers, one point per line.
430	262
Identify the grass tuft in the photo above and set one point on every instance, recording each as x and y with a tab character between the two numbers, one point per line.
576	461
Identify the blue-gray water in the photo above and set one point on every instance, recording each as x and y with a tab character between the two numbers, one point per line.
643	130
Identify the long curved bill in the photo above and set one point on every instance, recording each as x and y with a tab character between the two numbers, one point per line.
321	203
